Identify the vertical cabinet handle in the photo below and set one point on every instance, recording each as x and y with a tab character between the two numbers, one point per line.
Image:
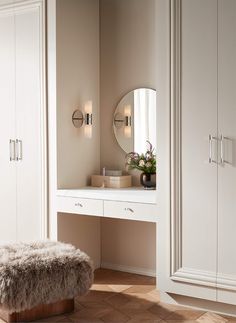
222	149
222	160
12	149
210	140
18	149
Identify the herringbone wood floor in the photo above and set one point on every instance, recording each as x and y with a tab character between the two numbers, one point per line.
118	297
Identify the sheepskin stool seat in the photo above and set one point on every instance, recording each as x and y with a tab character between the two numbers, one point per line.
41	279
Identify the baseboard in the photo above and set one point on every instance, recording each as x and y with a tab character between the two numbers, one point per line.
129	269
96	265
198	304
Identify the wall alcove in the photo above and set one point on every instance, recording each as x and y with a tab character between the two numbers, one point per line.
103	50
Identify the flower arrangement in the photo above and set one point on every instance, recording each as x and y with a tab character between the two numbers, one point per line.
144	162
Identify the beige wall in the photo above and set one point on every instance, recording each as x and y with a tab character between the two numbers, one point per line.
129	245
77	31
83	232
128	61
3	2
127	58
77	83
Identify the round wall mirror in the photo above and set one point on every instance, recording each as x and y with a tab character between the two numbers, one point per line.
134	120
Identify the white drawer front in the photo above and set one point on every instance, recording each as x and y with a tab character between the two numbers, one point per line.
130	211
79	205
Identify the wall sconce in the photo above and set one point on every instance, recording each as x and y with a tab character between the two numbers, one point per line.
128	121
78	119
124	121
88	119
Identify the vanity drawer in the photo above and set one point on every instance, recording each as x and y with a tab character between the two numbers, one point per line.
79	205
130	211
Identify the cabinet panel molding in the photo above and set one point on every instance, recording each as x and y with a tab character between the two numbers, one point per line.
176	227
31	118
226	277
7	122
192	276
226	282
29	64
178	270
25	5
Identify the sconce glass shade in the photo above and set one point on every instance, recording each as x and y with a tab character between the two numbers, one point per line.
88	131
77	118
128	131
88	107
127	110
88	125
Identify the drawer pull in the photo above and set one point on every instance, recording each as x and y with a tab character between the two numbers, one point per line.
78	204
129	209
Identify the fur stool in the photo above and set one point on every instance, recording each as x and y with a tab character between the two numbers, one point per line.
41	279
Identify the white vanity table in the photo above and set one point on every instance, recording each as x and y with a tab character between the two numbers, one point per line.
130	203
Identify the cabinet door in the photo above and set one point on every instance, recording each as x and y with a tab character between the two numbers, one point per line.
194	179
227	169
7	125
29	123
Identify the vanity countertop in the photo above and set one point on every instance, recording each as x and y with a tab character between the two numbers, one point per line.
132	194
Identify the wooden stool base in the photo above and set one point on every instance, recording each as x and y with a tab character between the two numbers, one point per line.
39	312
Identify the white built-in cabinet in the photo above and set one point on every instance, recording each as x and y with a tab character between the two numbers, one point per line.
22	122
226	256
198	257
